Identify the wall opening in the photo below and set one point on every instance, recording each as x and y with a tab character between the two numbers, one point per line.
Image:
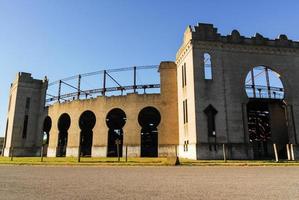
115	120
149	118
267	123
25	126
185	111
207	67
184	75
211	112
26	118
46	133
64	123
87	122
46	130
263	83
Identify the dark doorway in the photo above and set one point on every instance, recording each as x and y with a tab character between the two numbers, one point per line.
267	125
149	118
64	123
46	134
46	130
259	128
115	120
86	123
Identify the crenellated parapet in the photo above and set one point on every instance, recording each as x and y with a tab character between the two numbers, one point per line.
208	33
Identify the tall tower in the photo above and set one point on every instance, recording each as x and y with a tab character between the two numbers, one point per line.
23	135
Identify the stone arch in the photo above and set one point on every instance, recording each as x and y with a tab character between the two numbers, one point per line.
276	68
264	82
115	121
64	123
149	118
47	125
87	122
266	108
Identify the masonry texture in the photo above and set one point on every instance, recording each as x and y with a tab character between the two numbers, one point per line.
165	103
232	57
201	116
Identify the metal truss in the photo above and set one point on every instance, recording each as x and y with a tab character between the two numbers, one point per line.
103	90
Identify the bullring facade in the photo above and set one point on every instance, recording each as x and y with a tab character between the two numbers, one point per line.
232	90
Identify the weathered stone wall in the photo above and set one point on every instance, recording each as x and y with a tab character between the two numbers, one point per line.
22	88
131	104
232	57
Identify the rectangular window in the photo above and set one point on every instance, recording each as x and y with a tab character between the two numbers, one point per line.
186	107
27	103
186	143
25	124
207	67
184	79
185	111
184	116
185	76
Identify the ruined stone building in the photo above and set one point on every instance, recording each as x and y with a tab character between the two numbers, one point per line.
233	90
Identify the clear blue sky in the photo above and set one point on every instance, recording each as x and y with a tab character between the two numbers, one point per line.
59	38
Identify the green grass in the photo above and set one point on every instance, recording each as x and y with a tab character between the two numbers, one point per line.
189	162
73	161
84	161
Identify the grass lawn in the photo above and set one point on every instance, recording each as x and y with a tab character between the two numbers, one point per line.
84	161
139	162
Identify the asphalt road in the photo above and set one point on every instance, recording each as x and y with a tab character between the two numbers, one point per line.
171	183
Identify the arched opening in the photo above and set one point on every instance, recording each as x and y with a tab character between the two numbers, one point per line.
207	67
211	112
86	123
266	110
263	83
149	118
46	130
64	123
115	120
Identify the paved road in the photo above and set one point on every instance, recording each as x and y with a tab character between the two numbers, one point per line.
171	183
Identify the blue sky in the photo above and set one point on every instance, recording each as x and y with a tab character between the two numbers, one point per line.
59	38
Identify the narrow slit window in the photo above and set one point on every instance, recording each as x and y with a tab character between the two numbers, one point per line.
184	80
27	103
185	111
186	108
24	134
207	67
185	77
187	143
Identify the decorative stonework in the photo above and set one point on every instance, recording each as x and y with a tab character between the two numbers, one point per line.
208	33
